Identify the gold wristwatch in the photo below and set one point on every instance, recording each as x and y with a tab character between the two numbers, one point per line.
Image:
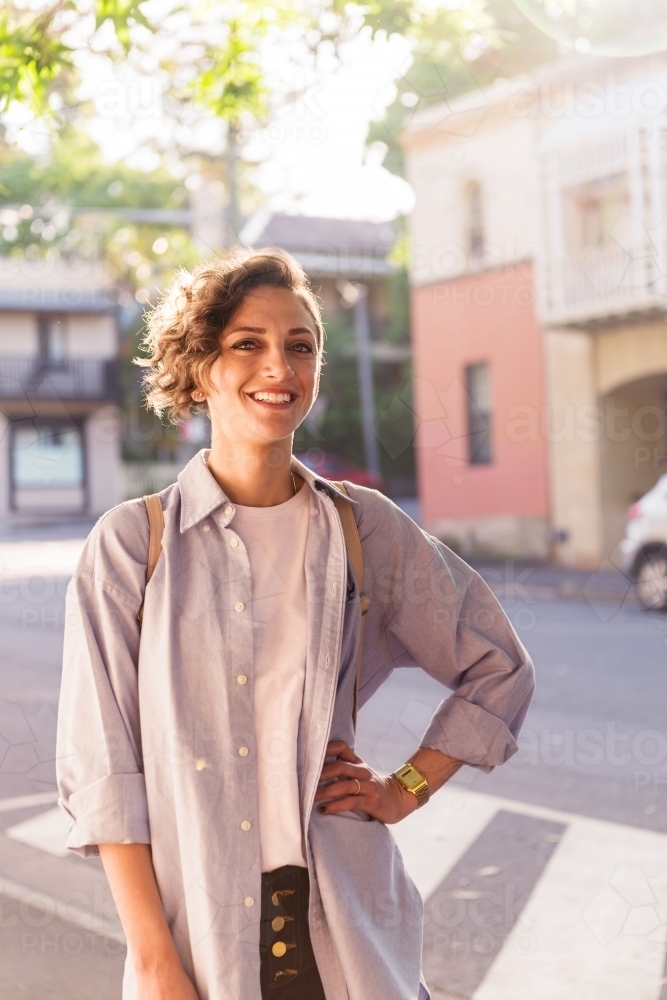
412	779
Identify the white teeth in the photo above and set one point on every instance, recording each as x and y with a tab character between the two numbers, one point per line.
272	397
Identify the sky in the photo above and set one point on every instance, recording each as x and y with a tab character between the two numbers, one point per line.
312	159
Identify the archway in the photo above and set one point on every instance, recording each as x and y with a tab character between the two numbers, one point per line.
633	452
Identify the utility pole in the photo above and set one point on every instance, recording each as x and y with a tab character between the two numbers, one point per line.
234	217
365	376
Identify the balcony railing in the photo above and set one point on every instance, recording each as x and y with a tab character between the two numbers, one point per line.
69	378
601	285
627	273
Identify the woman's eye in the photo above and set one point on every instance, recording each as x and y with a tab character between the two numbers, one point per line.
303	348
245	345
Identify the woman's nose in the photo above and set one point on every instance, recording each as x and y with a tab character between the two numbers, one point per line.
277	364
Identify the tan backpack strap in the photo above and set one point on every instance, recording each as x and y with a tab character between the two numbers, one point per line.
356	557
155	532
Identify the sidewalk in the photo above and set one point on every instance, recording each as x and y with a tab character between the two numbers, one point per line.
513	579
55	549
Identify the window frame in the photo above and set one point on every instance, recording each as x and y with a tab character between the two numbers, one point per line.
479	418
66	424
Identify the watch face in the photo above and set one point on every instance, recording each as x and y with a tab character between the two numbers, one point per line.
411	778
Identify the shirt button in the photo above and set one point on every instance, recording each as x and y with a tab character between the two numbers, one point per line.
229	510
248	901
314	510
207	527
246	824
243	751
233	542
239	607
241	679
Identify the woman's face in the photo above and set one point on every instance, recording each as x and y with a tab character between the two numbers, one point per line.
266	376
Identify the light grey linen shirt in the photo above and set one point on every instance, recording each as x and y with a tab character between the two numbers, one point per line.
156	741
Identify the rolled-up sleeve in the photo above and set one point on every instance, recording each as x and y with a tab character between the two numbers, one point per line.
430	609
98	755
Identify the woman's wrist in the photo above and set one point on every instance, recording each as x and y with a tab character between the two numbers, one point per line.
154	958
437	767
408	800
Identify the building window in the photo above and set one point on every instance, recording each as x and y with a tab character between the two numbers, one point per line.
52	340
592	210
46	454
475	218
478	386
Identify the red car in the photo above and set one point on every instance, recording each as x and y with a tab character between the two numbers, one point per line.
336	468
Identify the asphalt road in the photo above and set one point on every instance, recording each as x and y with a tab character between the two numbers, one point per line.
594	743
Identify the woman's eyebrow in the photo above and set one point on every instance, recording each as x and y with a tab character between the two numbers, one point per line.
245	329
292	332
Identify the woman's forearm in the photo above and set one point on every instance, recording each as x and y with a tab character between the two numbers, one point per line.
436	766
129	869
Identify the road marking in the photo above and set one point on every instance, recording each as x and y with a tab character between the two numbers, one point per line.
470	915
48	832
594	927
59	908
27	801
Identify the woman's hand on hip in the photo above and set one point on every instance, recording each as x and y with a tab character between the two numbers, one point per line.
348	783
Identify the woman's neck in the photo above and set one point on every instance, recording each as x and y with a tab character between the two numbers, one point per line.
253	475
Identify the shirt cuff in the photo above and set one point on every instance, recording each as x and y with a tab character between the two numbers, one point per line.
469	733
112	810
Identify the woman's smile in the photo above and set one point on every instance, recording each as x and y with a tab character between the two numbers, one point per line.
282	398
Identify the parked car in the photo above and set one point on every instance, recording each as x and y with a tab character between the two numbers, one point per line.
335	467
644	548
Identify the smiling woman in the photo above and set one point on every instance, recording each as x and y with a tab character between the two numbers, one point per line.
208	756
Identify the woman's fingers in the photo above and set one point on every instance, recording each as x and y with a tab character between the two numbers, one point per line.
340	789
341	769
339	748
347	804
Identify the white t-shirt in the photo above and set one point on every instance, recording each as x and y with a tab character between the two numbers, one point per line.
275	540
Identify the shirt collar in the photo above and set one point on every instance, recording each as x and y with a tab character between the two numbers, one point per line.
201	493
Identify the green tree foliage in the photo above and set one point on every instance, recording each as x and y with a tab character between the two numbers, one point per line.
46	193
225	74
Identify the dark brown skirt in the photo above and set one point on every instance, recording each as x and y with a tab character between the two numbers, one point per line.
288	969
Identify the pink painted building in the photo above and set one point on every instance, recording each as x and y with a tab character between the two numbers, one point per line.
479	384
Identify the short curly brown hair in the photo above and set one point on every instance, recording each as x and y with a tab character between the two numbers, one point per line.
182	337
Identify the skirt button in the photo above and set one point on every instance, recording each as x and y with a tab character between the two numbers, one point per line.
279	949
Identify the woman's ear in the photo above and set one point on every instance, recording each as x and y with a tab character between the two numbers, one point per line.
198	396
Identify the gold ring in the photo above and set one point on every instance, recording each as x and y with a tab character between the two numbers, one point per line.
358	786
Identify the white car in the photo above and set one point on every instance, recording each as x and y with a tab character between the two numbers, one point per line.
644	548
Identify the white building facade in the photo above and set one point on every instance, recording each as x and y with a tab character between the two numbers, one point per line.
59	419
